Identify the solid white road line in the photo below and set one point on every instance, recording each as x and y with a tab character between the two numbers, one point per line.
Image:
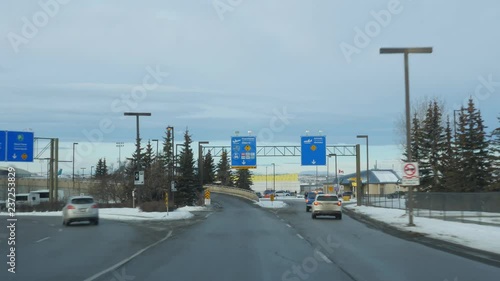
288	225
300	236
128	259
327	260
43	239
208	215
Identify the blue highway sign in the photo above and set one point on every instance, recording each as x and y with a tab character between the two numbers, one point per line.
313	151
20	146
243	152
3	145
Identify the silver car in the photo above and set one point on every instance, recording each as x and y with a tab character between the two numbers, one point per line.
326	205
80	208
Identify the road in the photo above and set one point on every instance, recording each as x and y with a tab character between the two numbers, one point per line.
240	241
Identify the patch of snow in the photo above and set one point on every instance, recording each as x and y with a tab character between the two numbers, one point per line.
270	204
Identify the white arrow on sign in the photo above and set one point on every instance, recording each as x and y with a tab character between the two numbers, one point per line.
243	162
314	162
14	156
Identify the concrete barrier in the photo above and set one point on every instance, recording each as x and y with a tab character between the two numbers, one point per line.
233	191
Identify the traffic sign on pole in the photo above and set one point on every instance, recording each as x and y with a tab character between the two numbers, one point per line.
139	178
16	146
313	151
3	145
411	176
243	152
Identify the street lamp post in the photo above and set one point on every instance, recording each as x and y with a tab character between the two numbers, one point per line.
138	144
406	52
120	145
367	167
330	155
274	178
75	143
200	161
156	140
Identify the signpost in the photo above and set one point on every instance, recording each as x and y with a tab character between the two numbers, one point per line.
411	176
313	151
207	197
139	178
16	146
166	200
244	152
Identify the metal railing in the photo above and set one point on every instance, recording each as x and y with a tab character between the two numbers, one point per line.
244	193
480	207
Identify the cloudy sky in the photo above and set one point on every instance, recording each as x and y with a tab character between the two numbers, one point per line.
69	69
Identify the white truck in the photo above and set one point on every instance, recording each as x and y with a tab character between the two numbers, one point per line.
36	197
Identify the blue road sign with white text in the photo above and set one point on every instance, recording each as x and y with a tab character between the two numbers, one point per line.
243	152
3	145
20	146
313	151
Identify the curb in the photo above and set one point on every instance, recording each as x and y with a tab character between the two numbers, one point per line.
456	249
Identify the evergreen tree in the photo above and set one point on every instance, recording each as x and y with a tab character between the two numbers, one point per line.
224	174
187	185
105	172
149	156
473	150
433	139
99	169
448	167
244	179
208	169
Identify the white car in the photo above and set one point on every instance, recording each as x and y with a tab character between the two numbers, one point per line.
326	205
80	208
282	194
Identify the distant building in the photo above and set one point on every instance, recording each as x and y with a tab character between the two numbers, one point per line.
382	181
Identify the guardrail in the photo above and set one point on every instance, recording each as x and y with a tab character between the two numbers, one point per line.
234	191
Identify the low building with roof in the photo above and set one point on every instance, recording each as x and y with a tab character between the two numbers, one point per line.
381	181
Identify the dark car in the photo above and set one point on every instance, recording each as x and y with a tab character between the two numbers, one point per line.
258	194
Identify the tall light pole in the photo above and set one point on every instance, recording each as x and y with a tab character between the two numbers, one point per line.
367	167
200	161
156	140
120	145
266	177
274	178
75	143
406	51
336	172
138	144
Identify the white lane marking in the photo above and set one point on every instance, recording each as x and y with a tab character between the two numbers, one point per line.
300	236
128	259
327	260
288	225
43	239
208	215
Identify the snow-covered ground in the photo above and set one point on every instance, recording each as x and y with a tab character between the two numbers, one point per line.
127	214
481	237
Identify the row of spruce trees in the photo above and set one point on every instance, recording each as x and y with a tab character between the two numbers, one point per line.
160	169
455	157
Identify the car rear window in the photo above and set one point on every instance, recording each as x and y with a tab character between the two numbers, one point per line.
311	195
327	198
82	201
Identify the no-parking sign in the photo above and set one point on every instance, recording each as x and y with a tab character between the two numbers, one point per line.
411	176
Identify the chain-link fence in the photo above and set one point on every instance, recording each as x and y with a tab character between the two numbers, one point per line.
481	208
